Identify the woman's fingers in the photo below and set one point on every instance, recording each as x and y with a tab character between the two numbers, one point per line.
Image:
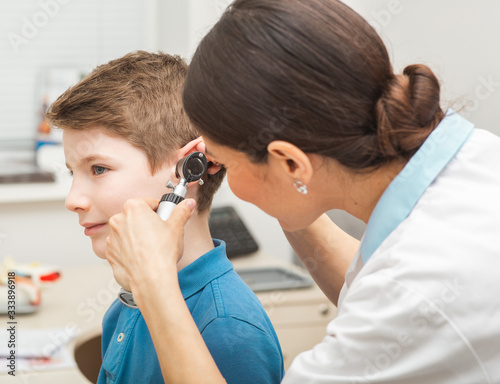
138	239
175	226
181	213
113	245
152	202
125	229
139	206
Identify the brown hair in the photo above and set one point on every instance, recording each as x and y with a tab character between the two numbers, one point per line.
313	73
138	98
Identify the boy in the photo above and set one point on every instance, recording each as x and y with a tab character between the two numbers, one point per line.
124	129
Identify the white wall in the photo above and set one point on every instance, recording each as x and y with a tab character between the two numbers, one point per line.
184	23
37	35
458	39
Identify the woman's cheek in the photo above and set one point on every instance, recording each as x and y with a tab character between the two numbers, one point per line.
237	191
234	186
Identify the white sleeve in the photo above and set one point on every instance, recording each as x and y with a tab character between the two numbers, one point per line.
388	332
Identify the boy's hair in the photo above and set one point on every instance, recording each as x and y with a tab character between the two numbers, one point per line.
137	97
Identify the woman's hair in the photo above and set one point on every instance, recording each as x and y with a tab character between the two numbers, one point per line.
313	73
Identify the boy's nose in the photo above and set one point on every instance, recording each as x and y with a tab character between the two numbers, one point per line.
77	199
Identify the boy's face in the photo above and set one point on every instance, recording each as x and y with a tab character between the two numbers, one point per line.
107	171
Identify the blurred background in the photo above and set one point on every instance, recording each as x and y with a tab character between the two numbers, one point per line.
47	45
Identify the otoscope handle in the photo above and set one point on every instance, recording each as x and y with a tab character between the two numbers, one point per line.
167	205
165	208
188	169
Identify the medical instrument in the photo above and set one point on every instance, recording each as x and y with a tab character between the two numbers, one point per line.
188	169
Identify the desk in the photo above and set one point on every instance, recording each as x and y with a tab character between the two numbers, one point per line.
79	299
83	294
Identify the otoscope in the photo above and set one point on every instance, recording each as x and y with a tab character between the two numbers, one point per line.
188	169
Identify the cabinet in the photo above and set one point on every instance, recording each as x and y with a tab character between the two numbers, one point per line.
300	324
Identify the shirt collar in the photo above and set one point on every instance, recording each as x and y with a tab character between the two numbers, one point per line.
210	266
405	190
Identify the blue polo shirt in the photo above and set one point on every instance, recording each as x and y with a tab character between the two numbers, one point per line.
230	318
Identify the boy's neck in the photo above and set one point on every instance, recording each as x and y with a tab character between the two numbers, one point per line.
197	239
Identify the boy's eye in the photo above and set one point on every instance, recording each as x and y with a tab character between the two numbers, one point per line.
98	170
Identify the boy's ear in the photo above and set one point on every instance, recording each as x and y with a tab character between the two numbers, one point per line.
198	145
189	148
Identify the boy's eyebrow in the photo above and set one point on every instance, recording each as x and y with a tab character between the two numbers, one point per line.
90	159
94	157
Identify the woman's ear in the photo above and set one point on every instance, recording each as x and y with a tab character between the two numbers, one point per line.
291	159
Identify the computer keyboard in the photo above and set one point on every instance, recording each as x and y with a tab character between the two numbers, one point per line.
225	224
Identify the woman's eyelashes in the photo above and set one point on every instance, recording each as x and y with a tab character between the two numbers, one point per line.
99	170
215	164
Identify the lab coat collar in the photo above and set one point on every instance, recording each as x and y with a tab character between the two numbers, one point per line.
210	266
405	190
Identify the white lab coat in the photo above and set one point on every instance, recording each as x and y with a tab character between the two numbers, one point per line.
425	307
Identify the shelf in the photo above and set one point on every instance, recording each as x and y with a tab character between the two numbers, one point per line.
34	192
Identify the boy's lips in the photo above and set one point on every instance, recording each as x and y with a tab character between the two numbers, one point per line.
92	228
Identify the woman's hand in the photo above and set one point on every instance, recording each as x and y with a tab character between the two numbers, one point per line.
141	247
143	251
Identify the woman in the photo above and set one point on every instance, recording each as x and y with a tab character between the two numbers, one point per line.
299	101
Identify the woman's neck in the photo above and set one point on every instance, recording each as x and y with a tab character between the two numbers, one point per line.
366	189
354	192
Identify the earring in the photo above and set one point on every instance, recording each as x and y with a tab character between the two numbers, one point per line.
300	186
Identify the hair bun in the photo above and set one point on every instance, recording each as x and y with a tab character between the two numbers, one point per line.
408	111
424	91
